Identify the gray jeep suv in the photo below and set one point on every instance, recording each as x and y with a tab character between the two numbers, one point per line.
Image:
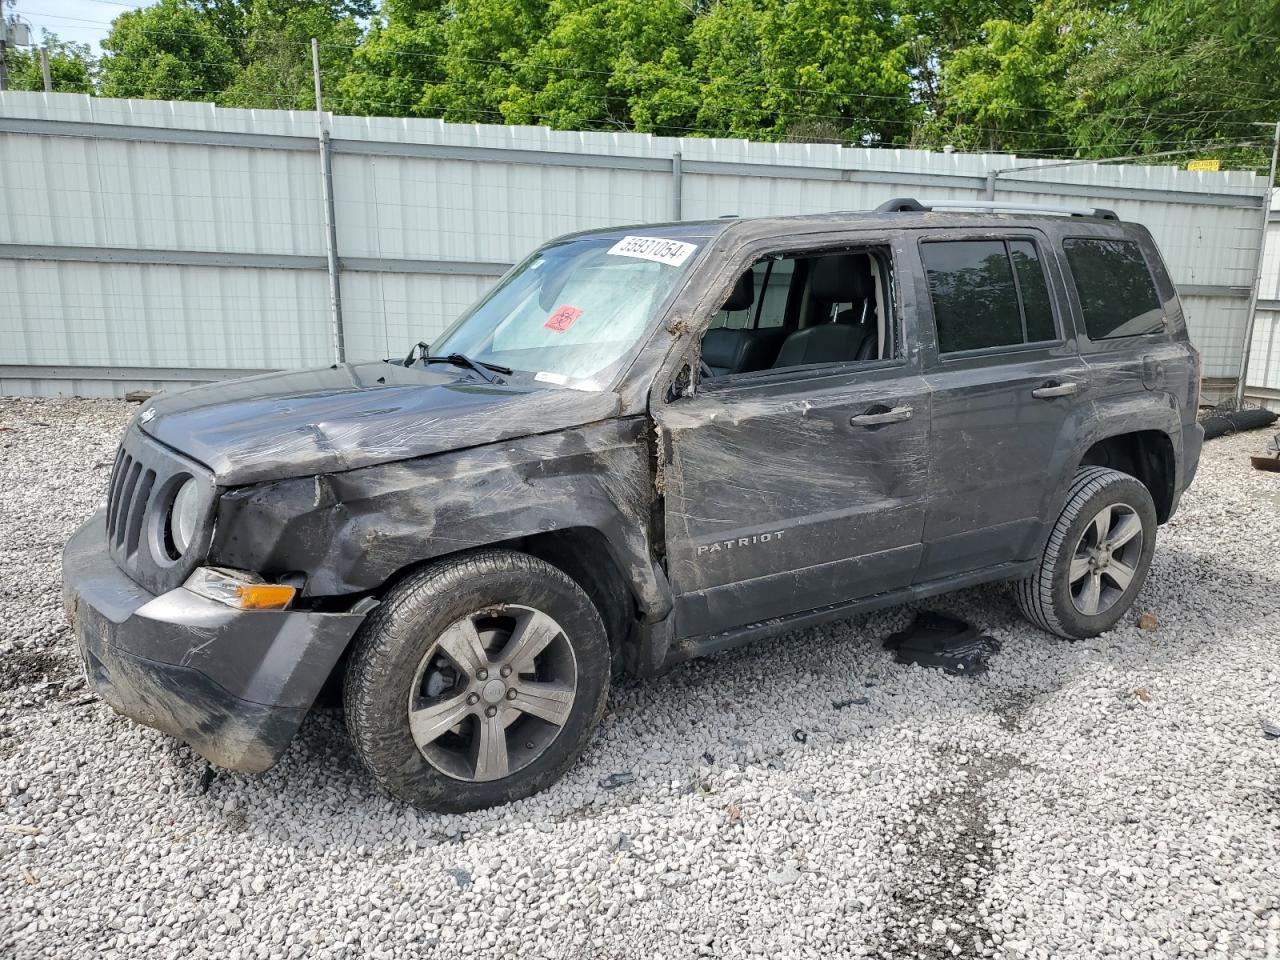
643	445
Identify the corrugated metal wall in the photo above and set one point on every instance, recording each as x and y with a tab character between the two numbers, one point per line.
146	242
1264	358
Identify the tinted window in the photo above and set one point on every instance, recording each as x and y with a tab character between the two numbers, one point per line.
1035	292
1117	295
975	303
988	293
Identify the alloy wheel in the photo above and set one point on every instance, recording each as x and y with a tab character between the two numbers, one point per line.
1106	559
492	692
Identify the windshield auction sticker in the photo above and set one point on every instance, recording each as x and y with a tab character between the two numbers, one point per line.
562	319
658	249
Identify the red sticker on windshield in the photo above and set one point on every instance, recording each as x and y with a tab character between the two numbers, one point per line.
563	318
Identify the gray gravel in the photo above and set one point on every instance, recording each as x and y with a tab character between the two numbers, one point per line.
1117	797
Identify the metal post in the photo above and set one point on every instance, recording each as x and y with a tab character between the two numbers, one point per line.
44	70
991	183
1257	268
330	222
677	187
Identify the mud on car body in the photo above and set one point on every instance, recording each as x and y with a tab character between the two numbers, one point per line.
643	445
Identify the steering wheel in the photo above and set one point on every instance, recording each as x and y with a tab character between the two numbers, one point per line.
704	371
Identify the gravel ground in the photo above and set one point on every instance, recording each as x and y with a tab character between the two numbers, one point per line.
1108	798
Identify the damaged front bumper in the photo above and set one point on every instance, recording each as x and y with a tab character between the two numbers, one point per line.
233	684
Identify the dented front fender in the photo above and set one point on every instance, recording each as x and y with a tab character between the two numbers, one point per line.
350	532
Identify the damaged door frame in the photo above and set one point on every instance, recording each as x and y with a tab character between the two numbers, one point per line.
687	324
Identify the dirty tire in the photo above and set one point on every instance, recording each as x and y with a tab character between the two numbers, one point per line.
393	641
1045	596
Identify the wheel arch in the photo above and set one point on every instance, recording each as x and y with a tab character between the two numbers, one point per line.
584	554
1147	455
1140	429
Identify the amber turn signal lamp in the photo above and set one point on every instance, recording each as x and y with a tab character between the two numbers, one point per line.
264	596
240	589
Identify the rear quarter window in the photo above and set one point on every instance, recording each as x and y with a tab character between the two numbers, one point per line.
1114	285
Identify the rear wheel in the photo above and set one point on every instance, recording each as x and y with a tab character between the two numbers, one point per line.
1097	556
478	681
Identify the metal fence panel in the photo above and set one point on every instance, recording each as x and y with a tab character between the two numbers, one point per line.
147	242
1264	357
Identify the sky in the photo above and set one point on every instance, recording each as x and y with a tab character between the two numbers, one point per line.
82	21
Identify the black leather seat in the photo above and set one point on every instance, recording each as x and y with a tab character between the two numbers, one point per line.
836	279
726	350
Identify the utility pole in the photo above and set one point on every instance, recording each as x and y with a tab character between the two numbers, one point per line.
44	70
13	33
4	44
1257	267
330	218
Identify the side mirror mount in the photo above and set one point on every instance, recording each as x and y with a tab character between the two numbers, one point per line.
681	385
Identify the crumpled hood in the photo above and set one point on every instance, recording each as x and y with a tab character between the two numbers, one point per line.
330	419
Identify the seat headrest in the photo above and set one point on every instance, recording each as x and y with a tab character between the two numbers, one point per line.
842	278
743	294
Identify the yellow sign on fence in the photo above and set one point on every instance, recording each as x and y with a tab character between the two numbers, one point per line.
1214	164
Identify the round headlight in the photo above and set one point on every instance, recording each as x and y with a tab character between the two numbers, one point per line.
184	514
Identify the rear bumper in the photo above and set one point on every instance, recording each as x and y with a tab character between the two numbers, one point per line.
1192	443
1188	461
233	684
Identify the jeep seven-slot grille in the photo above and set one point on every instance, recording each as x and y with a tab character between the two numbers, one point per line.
145	479
127	501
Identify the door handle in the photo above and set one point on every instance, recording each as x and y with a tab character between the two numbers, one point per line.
1051	390
896	415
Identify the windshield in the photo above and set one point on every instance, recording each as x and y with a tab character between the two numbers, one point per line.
573	312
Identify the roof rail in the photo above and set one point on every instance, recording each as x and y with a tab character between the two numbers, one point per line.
910	205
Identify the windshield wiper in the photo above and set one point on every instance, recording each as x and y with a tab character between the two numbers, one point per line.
458	360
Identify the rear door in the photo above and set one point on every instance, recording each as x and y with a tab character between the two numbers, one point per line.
1001	361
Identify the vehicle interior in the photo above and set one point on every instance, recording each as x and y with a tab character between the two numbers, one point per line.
804	309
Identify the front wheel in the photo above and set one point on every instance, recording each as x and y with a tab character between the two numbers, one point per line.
1097	556
477	682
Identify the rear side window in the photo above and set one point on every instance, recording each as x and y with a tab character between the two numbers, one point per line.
987	293
769	305
773	304
1117	295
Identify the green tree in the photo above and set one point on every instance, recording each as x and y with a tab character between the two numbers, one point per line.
168	51
1177	74
454	61
397	60
943	26
1059	77
774	69
277	72
1007	89
578	74
71	67
483	41
239	53
1093	79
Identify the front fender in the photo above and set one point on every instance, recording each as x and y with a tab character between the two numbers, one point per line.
350	532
